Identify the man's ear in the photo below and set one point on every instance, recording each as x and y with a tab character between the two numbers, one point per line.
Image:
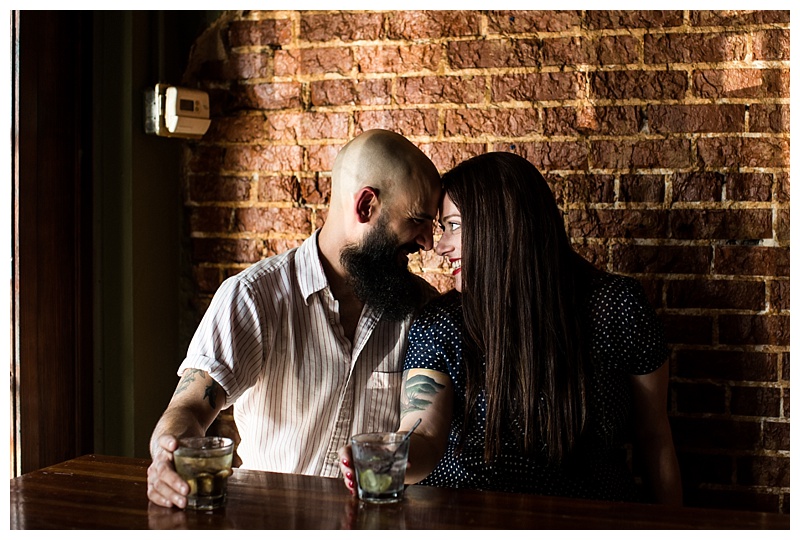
366	203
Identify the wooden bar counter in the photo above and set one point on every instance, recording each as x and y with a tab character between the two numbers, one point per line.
103	492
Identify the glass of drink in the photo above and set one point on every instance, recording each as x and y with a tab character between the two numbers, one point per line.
380	463
205	463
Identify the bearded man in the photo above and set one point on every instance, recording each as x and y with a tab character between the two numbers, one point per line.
309	344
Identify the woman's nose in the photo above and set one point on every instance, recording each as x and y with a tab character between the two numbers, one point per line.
443	246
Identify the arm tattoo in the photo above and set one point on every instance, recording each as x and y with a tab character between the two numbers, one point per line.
190	376
418	391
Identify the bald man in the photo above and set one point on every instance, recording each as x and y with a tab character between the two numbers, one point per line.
309	344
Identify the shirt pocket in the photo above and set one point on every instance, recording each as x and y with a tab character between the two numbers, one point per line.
383	400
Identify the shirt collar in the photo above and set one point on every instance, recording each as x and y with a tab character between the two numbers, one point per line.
310	274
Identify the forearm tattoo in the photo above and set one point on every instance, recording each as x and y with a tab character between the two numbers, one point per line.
418	393
190	376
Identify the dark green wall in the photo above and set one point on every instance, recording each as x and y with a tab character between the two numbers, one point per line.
138	224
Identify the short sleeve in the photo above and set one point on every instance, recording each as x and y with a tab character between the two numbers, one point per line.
228	343
434	339
625	331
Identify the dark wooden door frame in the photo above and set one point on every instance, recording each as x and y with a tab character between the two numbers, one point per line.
52	352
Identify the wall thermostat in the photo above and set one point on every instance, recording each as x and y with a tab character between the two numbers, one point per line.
172	111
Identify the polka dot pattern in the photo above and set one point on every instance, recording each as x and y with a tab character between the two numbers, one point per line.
625	338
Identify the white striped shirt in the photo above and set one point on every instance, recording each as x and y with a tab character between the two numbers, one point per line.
271	338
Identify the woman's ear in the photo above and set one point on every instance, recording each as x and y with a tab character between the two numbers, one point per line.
366	204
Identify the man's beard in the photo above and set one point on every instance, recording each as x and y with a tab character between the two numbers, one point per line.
376	277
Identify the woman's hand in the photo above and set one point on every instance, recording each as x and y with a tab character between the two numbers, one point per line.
346	466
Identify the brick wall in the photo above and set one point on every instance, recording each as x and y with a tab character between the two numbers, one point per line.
664	134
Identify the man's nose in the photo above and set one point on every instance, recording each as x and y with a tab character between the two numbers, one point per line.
425	238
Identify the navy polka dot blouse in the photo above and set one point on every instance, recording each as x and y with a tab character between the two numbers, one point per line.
625	338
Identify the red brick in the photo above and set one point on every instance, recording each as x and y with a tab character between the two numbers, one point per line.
721	224
269	96
264	158
717	435
321	157
399	58
782	226
207	278
618	223
699	398
441	282
769	118
510	22
751	261
547	156
687	329
591	120
595	253
247	66
639	84
693	48
647	259
641	188
732	17
776	436
308	125
273	220
697	186
341	26
213	219
350	92
538	86
756	401
696	118
327	60
765	471
716	294
493	53
593	188
641	154
280	245
748	187
409	122
602	50
600	19
707	468
744	152
754	329
264	33
499	122
720	365
286	62
432	24
447	155
771	45
316	189
224	250
243	128
279	188
742	83
205	159
214	188
782	187
440	89
779	295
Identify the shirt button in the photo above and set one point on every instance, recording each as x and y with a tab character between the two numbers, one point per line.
333	457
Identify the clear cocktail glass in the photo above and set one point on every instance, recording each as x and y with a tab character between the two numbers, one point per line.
380	464
205	463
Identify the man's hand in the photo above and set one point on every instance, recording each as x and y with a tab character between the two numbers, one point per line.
164	486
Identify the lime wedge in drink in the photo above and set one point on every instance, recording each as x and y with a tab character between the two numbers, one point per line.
375	483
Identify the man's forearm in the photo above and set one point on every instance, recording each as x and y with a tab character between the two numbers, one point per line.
179	422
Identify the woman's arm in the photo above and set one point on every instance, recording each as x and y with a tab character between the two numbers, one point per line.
428	395
654	437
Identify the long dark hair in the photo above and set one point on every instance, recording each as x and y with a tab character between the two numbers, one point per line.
522	286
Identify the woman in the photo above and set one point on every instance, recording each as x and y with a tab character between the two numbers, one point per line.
528	376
